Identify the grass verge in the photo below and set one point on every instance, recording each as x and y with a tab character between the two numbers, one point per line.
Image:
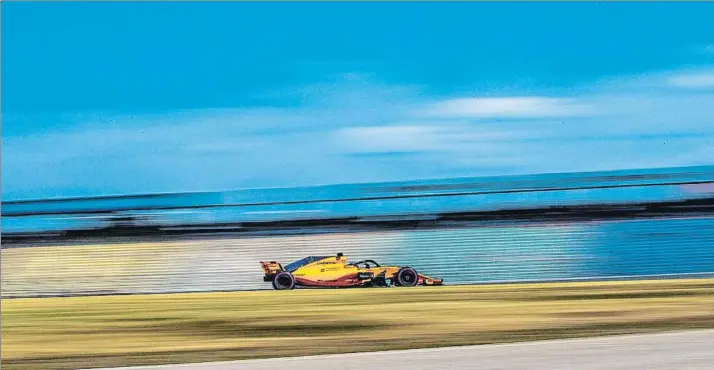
86	332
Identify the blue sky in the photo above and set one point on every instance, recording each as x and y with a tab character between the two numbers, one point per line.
117	98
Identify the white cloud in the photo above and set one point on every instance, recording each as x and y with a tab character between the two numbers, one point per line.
507	107
415	137
393	138
695	80
661	81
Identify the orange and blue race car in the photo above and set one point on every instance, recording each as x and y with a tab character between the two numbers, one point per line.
336	272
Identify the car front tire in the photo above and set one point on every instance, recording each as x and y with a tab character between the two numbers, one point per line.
407	276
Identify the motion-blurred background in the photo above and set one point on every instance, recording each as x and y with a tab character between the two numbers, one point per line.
529	228
169	147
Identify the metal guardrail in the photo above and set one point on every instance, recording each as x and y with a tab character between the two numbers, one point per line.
363	192
407	199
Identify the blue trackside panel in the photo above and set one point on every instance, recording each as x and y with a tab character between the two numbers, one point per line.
497	253
654	247
562	251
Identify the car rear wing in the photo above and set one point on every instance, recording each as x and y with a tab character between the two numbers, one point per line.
270	268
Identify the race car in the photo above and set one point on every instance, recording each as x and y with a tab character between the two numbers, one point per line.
335	271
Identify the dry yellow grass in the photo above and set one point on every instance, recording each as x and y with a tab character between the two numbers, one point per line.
92	267
63	333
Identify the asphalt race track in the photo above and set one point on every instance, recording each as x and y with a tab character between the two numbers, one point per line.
680	350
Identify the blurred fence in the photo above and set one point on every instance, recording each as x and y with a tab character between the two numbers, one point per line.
469	254
628	224
362	200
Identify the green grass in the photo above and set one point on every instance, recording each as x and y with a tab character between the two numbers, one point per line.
70	333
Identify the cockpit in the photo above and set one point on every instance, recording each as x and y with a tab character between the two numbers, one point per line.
365	264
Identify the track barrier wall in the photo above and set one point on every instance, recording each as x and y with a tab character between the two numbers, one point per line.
465	255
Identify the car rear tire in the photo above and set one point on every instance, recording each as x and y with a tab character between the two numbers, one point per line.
407	276
283	281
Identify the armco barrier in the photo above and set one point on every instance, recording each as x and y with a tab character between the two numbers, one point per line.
520	252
